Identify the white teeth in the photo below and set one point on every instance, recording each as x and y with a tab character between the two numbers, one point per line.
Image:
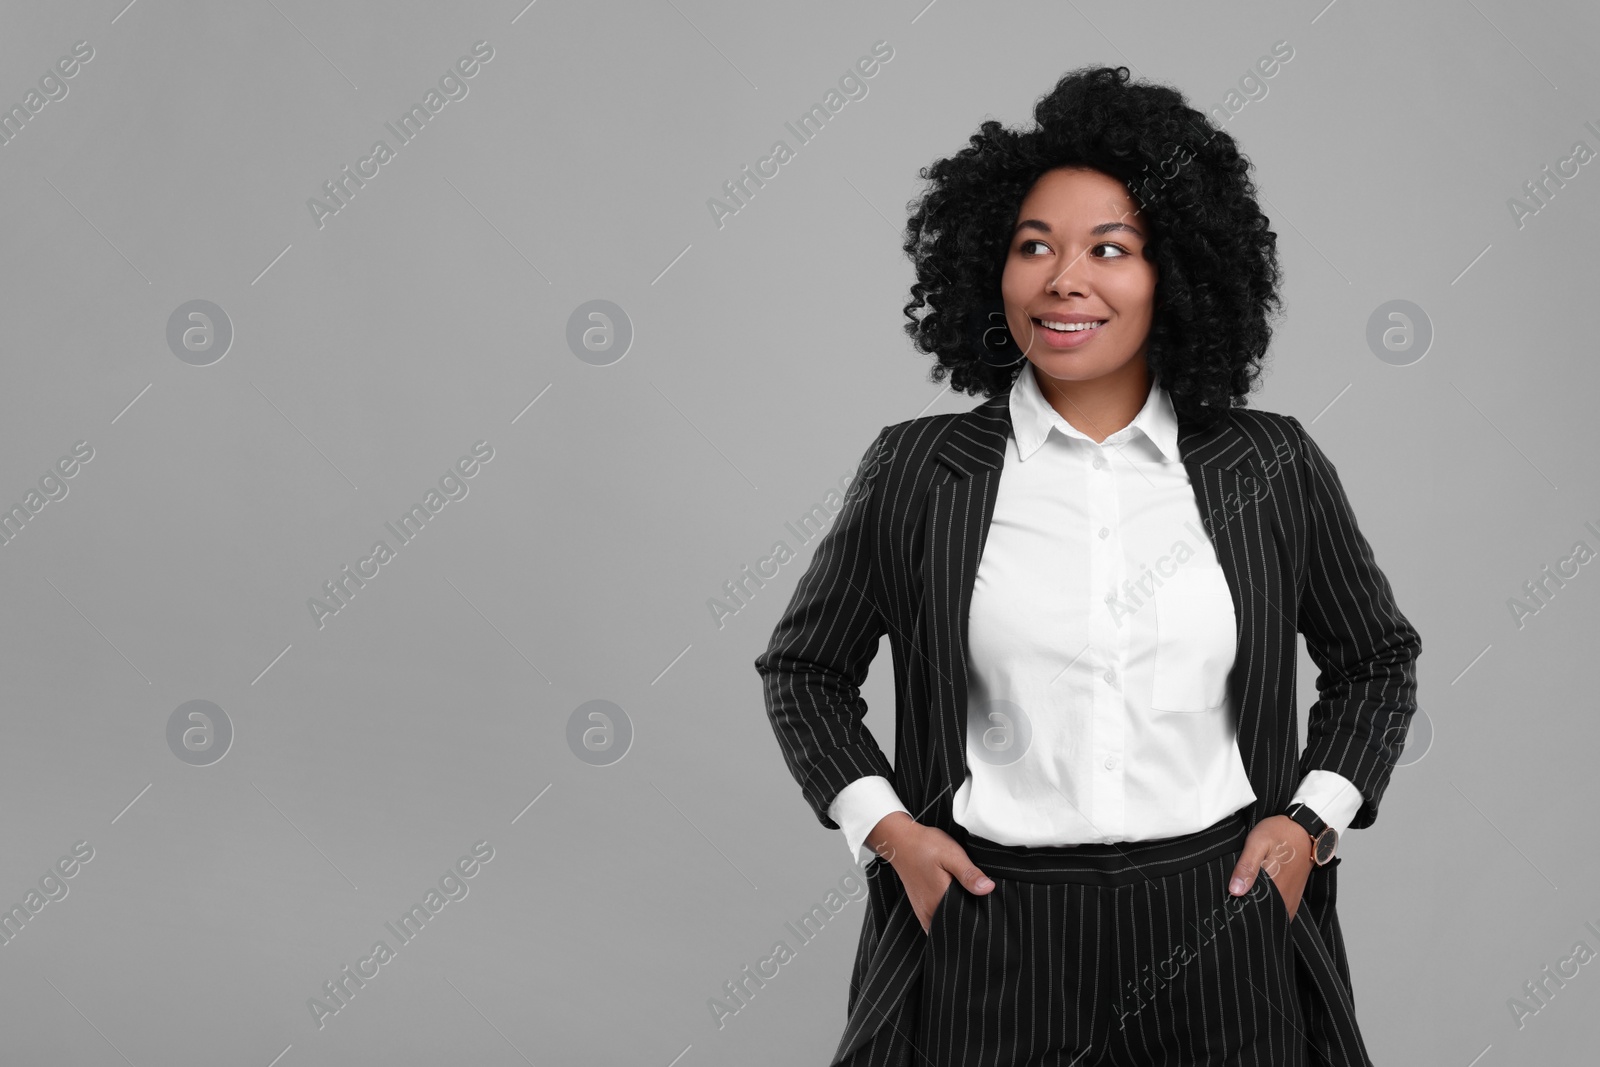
1074	327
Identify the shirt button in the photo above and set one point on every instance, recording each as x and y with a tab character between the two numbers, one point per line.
1111	676
1111	763
1105	531
1099	462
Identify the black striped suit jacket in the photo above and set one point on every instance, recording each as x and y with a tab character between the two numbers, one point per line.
901	557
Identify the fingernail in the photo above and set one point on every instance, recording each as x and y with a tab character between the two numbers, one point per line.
1236	886
983	883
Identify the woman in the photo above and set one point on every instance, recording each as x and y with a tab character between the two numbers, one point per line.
1101	841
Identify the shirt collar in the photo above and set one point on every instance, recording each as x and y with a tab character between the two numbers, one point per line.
1032	419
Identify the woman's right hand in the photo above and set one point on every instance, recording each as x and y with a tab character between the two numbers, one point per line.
926	860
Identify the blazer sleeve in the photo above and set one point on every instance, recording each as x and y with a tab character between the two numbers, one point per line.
818	656
1364	648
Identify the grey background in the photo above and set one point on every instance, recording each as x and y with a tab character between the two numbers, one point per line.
431	312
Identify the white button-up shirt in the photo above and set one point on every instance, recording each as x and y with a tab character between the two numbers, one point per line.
1099	640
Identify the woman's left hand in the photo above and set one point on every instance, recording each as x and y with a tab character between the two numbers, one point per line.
1283	848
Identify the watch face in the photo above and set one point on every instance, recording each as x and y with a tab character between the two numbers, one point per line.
1324	846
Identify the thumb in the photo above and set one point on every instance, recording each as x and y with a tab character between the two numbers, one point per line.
967	873
1250	859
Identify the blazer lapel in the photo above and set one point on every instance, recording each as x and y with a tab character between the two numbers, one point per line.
1226	485
960	507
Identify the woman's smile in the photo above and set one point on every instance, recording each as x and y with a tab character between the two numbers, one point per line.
1061	332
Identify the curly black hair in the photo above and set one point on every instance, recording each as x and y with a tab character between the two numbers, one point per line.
1218	272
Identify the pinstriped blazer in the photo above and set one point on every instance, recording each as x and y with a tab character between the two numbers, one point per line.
900	559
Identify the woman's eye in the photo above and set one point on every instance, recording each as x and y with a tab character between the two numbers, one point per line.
1120	251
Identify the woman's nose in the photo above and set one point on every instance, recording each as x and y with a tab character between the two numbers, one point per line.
1069	279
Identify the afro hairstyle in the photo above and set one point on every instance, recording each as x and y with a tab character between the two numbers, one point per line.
1216	256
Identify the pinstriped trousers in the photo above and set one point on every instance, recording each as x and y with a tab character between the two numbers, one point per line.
1120	954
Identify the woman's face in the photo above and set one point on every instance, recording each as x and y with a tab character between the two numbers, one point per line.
1077	253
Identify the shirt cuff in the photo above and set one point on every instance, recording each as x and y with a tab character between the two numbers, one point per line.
1332	796
858	808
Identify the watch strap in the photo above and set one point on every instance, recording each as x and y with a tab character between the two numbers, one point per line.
1324	839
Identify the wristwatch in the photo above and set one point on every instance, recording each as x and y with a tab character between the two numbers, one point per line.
1324	838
